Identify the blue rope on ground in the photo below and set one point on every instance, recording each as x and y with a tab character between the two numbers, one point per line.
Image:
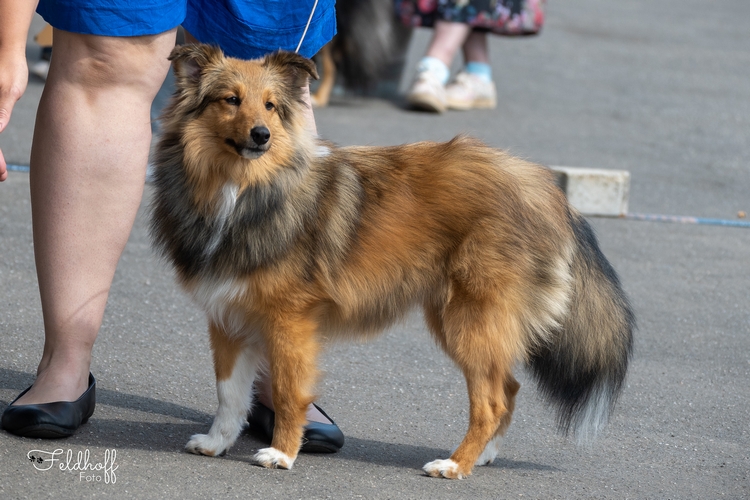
688	220
17	168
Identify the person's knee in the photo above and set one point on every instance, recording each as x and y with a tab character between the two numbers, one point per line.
97	62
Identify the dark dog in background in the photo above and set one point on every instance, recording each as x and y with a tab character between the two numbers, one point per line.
369	45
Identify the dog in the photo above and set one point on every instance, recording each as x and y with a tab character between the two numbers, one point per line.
287	241
370	41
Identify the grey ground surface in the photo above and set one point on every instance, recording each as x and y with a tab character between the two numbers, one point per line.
659	88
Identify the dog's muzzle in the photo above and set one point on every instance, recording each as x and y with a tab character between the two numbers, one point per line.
260	135
255	146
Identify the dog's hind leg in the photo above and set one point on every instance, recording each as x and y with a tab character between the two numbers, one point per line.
292	352
235	365
493	447
487	408
479	337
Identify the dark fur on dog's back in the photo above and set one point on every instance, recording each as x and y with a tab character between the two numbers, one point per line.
291	241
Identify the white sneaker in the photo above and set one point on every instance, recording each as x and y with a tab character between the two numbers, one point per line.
427	93
471	92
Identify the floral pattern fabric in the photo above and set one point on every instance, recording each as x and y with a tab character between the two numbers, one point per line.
501	17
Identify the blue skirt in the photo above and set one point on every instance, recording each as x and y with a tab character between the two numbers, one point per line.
242	28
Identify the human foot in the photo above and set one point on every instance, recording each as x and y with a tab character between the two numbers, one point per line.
321	434
50	420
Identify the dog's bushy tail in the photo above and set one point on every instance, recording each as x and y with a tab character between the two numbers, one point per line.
582	369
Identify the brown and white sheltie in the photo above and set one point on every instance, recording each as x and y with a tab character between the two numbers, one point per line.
288	241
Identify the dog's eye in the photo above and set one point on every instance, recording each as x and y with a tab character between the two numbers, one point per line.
234	100
269	106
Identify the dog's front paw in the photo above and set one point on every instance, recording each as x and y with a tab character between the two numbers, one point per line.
443	468
204	444
273	459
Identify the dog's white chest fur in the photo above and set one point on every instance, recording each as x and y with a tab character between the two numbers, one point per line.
217	298
224	209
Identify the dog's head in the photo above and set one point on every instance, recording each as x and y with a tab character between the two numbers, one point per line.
235	107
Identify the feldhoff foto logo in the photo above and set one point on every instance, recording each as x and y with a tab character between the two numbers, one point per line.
88	470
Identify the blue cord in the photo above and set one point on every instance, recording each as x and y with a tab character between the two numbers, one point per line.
680	219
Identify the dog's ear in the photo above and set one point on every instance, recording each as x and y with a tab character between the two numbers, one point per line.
189	61
298	68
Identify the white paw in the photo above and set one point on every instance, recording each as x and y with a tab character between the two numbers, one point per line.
489	453
443	468
204	444
273	459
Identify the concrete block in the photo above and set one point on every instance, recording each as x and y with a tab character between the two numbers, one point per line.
594	191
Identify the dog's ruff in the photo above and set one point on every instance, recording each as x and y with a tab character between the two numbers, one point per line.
303	241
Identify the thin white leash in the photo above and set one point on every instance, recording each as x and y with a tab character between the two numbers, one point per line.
309	20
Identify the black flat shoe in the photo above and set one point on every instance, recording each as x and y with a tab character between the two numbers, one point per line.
318	437
50	420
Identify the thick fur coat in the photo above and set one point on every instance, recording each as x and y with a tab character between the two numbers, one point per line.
286	241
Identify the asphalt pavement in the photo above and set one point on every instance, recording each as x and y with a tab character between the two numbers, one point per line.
660	88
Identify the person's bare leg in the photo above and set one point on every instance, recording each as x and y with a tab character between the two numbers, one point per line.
88	166
447	38
475	48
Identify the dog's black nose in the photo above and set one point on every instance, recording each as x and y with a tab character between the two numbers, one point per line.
260	135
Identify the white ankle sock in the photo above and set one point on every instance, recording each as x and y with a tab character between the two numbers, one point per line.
436	67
